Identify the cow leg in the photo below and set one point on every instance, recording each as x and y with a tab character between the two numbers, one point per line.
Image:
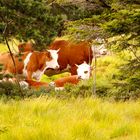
29	75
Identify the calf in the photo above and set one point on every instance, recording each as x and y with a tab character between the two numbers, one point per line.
59	83
83	73
37	85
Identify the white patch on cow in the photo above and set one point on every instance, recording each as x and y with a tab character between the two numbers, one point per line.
59	88
52	84
53	63
67	68
24	84
84	71
37	74
49	64
26	61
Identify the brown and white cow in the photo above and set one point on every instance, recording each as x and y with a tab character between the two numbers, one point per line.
37	84
25	47
83	73
31	64
83	70
69	55
73	53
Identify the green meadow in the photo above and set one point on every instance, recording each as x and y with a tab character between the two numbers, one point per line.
104	107
89	118
83	118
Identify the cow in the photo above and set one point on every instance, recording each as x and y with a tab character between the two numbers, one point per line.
25	47
83	73
57	84
71	54
37	84
31	64
83	70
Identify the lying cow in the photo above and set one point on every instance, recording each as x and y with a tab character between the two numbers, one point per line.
36	84
83	73
31	65
83	70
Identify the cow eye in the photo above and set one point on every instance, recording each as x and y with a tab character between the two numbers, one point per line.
85	72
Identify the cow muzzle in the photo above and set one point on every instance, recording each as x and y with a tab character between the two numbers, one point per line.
57	67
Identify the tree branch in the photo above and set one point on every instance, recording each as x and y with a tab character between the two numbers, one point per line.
11	54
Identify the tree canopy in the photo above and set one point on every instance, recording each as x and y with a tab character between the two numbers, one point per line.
29	19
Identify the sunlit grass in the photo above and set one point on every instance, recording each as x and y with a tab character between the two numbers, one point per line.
83	119
3	48
45	78
13	46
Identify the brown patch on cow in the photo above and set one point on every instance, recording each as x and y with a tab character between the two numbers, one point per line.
72	53
37	85
37	62
25	47
65	80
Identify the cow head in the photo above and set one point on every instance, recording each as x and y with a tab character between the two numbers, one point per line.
84	71
53	63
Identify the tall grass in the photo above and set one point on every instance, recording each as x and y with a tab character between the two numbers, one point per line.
89	118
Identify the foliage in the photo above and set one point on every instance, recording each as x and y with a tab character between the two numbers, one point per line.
120	27
9	90
125	24
28	19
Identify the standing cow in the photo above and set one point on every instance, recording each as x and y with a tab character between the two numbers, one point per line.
31	64
25	47
70	55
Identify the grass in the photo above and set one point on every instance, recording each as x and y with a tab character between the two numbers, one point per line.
89	118
50	118
12	44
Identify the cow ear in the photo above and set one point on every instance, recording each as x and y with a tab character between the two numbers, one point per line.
48	54
76	65
58	50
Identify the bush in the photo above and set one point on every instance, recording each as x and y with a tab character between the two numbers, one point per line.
10	90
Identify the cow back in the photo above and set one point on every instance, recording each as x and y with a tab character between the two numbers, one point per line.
64	80
9	65
25	47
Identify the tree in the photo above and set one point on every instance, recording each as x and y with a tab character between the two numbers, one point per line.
124	24
28	19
